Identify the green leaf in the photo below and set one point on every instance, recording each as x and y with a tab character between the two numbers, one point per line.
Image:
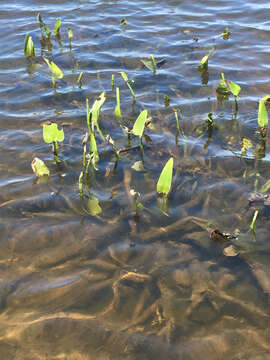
79	80
222	87
117	109
123	21
29	49
93	206
139	125
55	70
70	33
150	64
51	133
165	179
39	168
234	88
95	110
125	77
57	27
226	34
262	114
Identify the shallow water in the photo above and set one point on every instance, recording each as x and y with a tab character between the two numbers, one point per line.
117	285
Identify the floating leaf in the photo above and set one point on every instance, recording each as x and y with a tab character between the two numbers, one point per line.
57	27
29	49
165	179
93	206
51	133
139	125
39	168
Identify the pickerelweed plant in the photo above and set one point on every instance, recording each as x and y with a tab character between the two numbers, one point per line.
150	64
29	50
51	135
56	72
128	82
225	87
117	109
164	186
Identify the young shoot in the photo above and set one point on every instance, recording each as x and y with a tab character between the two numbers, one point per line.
56	72
128	82
92	115
29	49
252	225
165	180
262	112
43	25
123	21
226	34
79	80
117	109
139	125
112	81
70	36
150	64
51	134
57	27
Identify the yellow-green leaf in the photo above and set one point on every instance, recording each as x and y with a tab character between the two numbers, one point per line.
39	168
262	114
93	206
139	125
29	49
51	133
165	179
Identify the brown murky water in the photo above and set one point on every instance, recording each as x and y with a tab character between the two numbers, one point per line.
119	286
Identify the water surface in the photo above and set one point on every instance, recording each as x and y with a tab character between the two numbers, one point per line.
117	285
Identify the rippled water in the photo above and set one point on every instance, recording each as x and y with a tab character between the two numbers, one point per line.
116	285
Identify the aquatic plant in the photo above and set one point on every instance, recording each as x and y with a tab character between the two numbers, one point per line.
262	112
254	220
39	168
51	135
138	127
70	36
29	49
225	87
123	21
92	115
79	80
226	34
112	81
117	109
57	27
150	64
165	179
167	100
56	72
43	25
128	82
